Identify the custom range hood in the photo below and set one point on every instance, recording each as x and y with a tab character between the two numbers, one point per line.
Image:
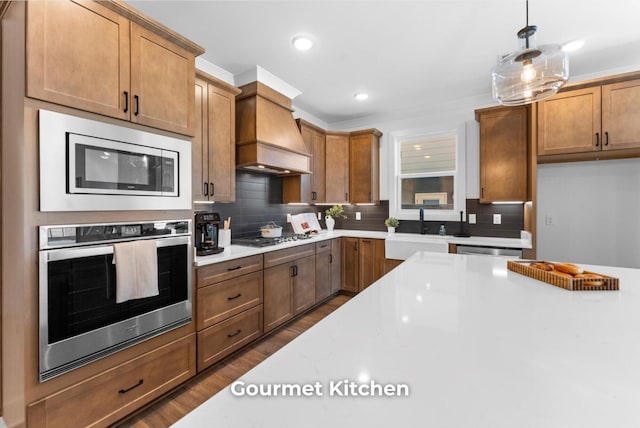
267	137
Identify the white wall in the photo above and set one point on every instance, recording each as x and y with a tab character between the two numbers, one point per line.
594	208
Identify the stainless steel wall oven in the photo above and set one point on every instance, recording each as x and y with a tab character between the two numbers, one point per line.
80	320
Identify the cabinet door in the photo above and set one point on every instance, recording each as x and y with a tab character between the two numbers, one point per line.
162	79
620	112
278	295
222	150
503	155
318	161
337	170
364	169
369	264
78	56
304	284
335	262
569	122
350	264
199	146
323	271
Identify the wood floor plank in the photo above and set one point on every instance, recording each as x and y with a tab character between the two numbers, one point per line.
170	408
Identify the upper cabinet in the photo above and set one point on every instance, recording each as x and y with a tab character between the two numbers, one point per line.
337	170
213	146
364	166
503	153
332	168
108	62
597	120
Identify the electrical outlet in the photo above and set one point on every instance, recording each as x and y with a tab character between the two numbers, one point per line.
319	215
497	219
358	215
288	218
548	220
472	219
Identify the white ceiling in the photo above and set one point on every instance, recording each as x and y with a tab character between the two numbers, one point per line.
405	54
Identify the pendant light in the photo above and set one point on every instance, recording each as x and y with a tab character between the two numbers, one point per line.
530	74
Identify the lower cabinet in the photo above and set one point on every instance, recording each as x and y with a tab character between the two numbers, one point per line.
362	263
229	308
103	399
289	284
328	266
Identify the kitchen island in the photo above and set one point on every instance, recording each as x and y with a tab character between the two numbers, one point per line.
448	340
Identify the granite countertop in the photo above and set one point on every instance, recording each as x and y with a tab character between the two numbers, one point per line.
475	345
238	251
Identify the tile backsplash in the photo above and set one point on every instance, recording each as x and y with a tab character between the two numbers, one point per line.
259	201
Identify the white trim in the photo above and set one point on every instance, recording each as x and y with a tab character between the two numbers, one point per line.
212	69
259	74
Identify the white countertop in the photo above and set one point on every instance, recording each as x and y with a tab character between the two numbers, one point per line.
238	251
477	345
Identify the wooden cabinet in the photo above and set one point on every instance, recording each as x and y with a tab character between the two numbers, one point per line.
503	153
337	169
109	396
362	263
308	188
229	307
364	166
213	146
598	119
328	264
107	64
289	284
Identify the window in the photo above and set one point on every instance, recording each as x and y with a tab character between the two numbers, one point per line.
427	175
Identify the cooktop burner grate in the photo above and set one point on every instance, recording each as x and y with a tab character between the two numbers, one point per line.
259	241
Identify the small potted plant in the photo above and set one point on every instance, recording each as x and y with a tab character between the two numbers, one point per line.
331	213
391	224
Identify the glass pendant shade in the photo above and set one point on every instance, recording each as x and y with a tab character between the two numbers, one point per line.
530	74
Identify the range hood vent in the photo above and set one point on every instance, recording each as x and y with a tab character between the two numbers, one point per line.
267	137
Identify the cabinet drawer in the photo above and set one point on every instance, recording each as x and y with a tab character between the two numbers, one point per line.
109	396
279	257
323	246
220	340
218	272
220	301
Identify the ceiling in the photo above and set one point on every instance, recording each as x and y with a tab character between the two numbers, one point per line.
404	54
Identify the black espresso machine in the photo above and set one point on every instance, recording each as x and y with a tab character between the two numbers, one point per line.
206	231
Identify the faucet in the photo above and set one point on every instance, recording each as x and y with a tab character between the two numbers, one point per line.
423	229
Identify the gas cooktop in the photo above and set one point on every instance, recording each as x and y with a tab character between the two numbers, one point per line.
259	241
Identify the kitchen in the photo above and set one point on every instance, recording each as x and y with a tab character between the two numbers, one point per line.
264	194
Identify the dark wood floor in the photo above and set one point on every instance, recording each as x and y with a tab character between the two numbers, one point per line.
172	407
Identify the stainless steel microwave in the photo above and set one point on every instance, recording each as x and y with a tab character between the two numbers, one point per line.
87	165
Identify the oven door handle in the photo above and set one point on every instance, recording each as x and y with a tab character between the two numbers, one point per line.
100	250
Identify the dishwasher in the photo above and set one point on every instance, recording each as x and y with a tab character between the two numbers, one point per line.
509	253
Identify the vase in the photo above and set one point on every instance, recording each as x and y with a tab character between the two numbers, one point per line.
391	229
330	222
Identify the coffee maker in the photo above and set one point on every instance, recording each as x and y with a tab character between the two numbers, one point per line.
206	230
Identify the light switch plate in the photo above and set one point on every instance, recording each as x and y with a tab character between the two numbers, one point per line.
319	215
288	218
497	219
472	219
358	215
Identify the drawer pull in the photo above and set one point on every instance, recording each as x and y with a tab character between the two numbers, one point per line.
235	333
324	246
234	297
124	391
234	268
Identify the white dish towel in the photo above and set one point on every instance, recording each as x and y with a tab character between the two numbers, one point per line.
136	270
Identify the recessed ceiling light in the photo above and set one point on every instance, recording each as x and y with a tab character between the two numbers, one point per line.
573	45
302	43
427	157
360	96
